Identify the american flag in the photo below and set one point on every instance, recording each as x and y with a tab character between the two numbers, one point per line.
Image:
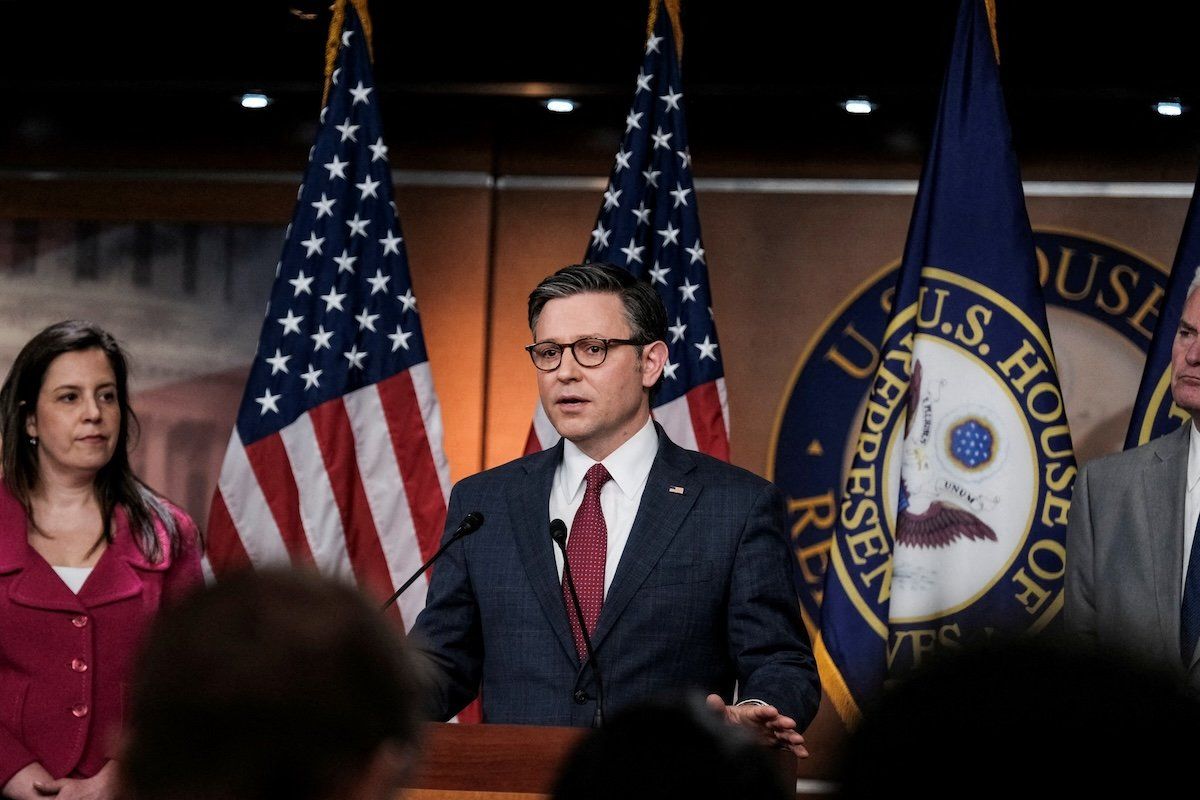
337	457
649	224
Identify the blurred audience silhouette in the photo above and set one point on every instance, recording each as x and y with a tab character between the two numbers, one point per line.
271	686
672	748
1024	718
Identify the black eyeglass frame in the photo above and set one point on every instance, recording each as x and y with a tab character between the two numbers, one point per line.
565	346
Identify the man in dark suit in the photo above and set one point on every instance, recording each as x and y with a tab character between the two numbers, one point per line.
682	569
1133	566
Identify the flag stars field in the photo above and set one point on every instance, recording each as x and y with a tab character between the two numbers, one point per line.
290	323
391	243
647	217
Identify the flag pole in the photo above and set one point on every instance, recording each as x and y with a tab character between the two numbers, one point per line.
676	24
990	7
334	40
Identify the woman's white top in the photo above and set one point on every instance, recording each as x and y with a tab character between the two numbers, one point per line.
74	577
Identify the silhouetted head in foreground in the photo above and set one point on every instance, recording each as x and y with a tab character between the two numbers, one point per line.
271	685
1024	719
671	749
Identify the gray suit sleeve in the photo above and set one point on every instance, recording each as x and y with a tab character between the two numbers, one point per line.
1079	612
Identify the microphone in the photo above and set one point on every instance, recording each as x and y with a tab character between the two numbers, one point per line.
558	532
470	523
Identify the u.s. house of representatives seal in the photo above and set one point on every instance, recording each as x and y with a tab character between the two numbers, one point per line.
968	464
970	483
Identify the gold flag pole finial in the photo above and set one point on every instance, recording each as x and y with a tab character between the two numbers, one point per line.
335	38
990	5
676	25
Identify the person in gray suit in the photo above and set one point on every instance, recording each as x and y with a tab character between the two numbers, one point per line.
1131	529
682	568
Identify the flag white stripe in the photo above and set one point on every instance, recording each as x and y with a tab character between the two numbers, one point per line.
676	420
431	412
247	506
724	398
210	577
543	429
318	507
386	497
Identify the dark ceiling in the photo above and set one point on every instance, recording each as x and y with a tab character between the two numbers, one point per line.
136	84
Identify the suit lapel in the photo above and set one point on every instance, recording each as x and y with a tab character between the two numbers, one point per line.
529	519
1165	484
118	573
660	514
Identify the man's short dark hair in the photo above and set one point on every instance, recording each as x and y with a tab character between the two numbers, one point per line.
643	307
268	685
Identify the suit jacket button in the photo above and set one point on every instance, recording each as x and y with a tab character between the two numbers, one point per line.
79	665
80	710
581	696
79	621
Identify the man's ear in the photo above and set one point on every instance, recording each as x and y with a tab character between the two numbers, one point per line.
654	358
384	773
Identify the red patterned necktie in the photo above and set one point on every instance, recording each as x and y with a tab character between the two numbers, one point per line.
587	550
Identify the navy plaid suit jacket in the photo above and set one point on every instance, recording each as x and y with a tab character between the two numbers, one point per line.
702	599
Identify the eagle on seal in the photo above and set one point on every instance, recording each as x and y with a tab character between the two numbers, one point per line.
940	523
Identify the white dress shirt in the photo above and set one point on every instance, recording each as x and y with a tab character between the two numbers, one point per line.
629	465
1191	502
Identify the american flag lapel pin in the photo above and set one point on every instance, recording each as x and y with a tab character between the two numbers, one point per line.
675	489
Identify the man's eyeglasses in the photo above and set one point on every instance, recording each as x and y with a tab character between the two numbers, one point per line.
546	356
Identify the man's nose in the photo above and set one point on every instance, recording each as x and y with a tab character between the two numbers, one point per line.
568	367
1193	351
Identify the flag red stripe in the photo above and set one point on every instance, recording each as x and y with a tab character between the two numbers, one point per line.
335	439
533	444
426	503
704	406
224	546
273	471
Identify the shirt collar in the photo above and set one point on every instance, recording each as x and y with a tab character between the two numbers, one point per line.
629	465
1193	467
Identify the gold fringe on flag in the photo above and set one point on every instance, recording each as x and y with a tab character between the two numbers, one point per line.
990	5
335	38
676	25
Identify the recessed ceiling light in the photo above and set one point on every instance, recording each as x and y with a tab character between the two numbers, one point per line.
858	105
1169	108
560	105
255	100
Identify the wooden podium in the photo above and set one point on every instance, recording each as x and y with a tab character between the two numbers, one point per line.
499	762
490	762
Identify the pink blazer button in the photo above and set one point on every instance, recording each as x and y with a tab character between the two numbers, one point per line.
80	710
79	621
79	665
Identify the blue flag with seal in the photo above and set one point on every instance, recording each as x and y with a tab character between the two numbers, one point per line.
1154	411
953	518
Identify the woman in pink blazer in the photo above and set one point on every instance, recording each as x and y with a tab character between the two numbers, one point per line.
88	553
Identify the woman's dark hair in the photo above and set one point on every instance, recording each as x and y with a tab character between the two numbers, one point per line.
115	483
